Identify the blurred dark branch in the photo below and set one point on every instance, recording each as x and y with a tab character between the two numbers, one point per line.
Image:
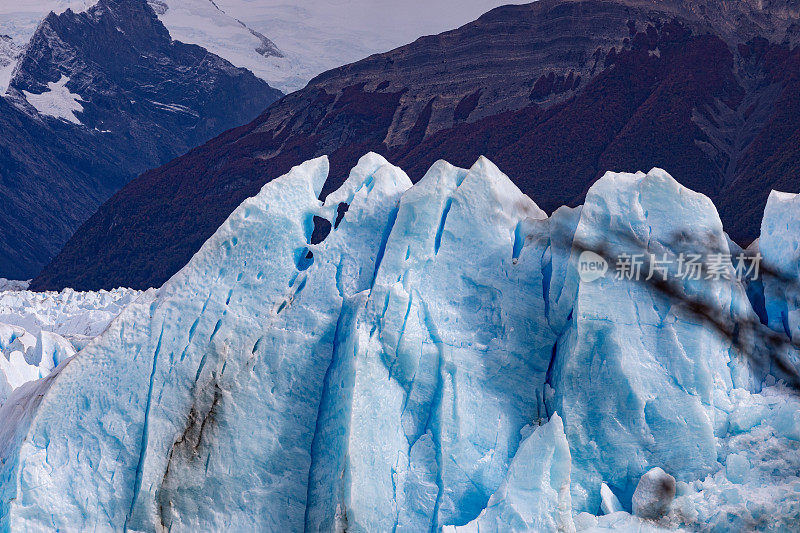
770	355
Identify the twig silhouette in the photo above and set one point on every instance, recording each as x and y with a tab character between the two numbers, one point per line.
770	356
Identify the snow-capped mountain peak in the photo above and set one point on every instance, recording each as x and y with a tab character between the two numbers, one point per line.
9	52
111	87
200	22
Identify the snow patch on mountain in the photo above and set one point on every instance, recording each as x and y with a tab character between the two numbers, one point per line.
6	72
57	102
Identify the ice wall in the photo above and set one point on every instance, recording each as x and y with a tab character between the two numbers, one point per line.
437	361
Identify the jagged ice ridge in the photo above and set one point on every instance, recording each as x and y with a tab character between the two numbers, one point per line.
39	330
436	362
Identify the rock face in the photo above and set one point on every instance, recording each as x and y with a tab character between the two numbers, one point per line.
556	92
96	98
433	361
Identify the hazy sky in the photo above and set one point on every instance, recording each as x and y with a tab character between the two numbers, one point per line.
329	33
384	21
387	21
341	31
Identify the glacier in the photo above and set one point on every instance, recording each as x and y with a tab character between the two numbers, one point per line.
436	362
780	245
38	331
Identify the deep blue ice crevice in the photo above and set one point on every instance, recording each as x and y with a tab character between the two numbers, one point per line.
434	423
328	485
137	485
547	275
437	242
519	241
398	346
387	231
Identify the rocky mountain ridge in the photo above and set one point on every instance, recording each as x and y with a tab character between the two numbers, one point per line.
557	92
96	98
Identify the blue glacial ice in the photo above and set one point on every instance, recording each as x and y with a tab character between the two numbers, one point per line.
779	244
436	362
534	495
664	368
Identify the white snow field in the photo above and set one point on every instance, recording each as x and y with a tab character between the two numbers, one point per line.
57	101
38	331
324	34
435	363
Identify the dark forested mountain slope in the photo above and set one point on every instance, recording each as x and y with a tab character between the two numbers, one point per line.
556	92
97	98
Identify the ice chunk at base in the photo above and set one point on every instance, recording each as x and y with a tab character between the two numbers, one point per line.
534	495
609	503
635	377
26	357
654	494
